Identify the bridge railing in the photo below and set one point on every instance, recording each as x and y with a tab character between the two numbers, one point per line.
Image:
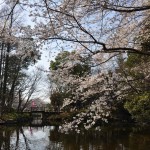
39	109
36	109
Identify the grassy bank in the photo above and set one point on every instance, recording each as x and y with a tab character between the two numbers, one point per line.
15	118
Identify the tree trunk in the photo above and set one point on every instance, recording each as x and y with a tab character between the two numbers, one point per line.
5	79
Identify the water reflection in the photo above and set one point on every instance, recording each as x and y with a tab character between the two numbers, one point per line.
24	138
48	138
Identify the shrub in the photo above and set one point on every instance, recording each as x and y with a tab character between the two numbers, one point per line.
139	107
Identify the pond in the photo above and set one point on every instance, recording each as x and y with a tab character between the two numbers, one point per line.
48	138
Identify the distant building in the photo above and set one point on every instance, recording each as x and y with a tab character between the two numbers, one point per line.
32	103
36	103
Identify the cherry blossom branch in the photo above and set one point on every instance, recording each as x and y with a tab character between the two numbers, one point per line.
105	60
126	9
104	50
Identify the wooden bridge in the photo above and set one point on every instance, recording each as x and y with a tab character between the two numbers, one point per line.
40	113
41	109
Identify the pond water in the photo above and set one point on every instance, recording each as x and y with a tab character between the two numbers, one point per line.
48	138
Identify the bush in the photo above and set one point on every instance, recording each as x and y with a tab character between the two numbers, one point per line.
139	107
14	116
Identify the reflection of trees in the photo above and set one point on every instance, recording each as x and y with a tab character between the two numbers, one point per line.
93	139
5	135
5	138
54	139
106	139
55	135
25	139
140	139
17	139
20	131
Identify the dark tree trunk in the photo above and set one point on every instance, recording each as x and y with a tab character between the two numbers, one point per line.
5	79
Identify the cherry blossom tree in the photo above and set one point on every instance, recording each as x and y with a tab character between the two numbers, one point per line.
92	96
